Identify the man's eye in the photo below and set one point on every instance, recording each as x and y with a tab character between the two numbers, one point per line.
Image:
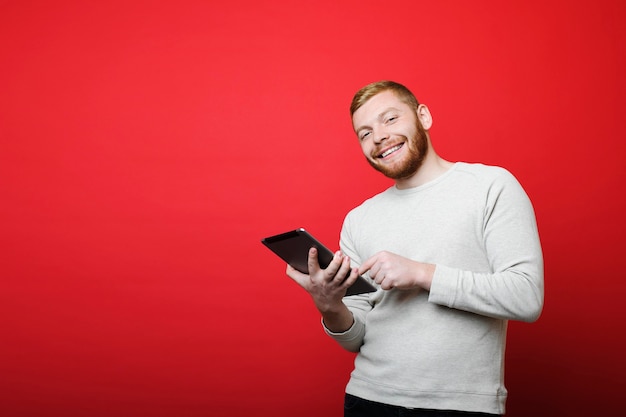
391	119
364	135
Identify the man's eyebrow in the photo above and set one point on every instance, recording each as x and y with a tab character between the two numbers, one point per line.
361	128
380	116
388	110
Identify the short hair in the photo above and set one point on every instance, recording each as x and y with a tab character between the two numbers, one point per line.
370	90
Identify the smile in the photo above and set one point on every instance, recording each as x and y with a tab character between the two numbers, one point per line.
390	151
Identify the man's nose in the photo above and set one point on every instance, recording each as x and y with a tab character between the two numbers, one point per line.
380	135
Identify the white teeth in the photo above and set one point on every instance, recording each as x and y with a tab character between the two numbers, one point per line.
390	151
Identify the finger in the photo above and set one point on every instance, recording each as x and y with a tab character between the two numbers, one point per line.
344	269
376	273
386	284
351	278
367	265
332	269
313	263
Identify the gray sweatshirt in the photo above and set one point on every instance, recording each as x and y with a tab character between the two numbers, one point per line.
444	348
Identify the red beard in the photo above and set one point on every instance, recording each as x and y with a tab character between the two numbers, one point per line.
417	150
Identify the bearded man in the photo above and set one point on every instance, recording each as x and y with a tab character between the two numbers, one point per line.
454	251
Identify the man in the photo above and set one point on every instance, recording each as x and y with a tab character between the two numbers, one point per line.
455	253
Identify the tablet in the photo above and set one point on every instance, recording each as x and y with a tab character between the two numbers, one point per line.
293	248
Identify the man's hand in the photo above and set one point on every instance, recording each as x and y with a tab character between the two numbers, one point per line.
394	271
326	286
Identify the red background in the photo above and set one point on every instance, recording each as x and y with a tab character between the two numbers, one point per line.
147	147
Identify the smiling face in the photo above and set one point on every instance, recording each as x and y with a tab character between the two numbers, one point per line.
392	137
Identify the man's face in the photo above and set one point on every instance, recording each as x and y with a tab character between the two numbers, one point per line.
391	136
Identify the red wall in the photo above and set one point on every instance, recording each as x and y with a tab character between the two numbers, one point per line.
147	147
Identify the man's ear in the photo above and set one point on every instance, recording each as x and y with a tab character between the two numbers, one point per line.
424	116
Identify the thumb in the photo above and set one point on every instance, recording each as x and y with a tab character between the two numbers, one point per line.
300	278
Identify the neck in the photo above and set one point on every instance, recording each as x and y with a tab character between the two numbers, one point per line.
432	167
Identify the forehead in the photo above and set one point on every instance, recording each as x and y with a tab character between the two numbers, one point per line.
377	106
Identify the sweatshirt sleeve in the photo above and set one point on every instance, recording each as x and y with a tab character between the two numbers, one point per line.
359	305
513	288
